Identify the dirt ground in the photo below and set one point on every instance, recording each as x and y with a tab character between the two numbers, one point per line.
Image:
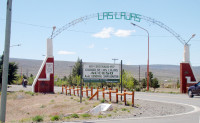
166	90
23	106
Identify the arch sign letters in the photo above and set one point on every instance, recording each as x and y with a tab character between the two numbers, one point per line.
101	73
119	15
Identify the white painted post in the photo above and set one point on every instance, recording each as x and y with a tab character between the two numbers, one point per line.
186	57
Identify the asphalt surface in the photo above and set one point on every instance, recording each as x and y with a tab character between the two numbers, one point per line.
192	114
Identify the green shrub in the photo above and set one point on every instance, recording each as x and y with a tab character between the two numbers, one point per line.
103	101
52	101
115	111
37	118
100	116
30	93
138	88
168	86
74	116
86	115
25	120
124	109
42	106
109	115
8	93
55	118
144	90
68	117
128	103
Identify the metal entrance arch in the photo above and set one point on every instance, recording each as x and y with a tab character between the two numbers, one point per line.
44	81
137	18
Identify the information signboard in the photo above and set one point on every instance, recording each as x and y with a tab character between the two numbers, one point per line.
93	72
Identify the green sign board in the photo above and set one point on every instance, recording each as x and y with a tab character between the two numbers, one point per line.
119	15
95	72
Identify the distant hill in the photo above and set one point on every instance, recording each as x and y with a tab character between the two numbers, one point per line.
170	73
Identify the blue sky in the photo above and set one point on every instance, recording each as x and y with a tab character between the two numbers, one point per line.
102	40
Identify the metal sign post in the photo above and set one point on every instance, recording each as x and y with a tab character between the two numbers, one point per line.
121	78
81	82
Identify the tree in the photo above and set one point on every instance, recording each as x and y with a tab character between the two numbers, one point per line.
155	83
77	69
144	83
30	79
70	80
75	78
178	84
25	77
64	78
150	79
12	72
31	75
128	80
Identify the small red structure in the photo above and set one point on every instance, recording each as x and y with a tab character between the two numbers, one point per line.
186	77
186	74
44	81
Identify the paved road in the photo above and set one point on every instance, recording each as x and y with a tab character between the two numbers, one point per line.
191	116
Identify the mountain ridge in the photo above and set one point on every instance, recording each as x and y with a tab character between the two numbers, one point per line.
163	72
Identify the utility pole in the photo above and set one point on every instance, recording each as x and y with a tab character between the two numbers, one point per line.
148	54
114	60
139	73
6	61
121	78
81	71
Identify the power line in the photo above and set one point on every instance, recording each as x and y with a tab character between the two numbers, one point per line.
35	25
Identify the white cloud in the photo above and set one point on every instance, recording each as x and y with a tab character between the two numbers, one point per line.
105	48
91	46
123	33
105	33
66	53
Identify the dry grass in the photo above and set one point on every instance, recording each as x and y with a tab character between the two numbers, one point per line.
23	107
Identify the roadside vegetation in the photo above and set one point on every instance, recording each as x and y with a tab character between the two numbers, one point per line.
130	83
12	72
